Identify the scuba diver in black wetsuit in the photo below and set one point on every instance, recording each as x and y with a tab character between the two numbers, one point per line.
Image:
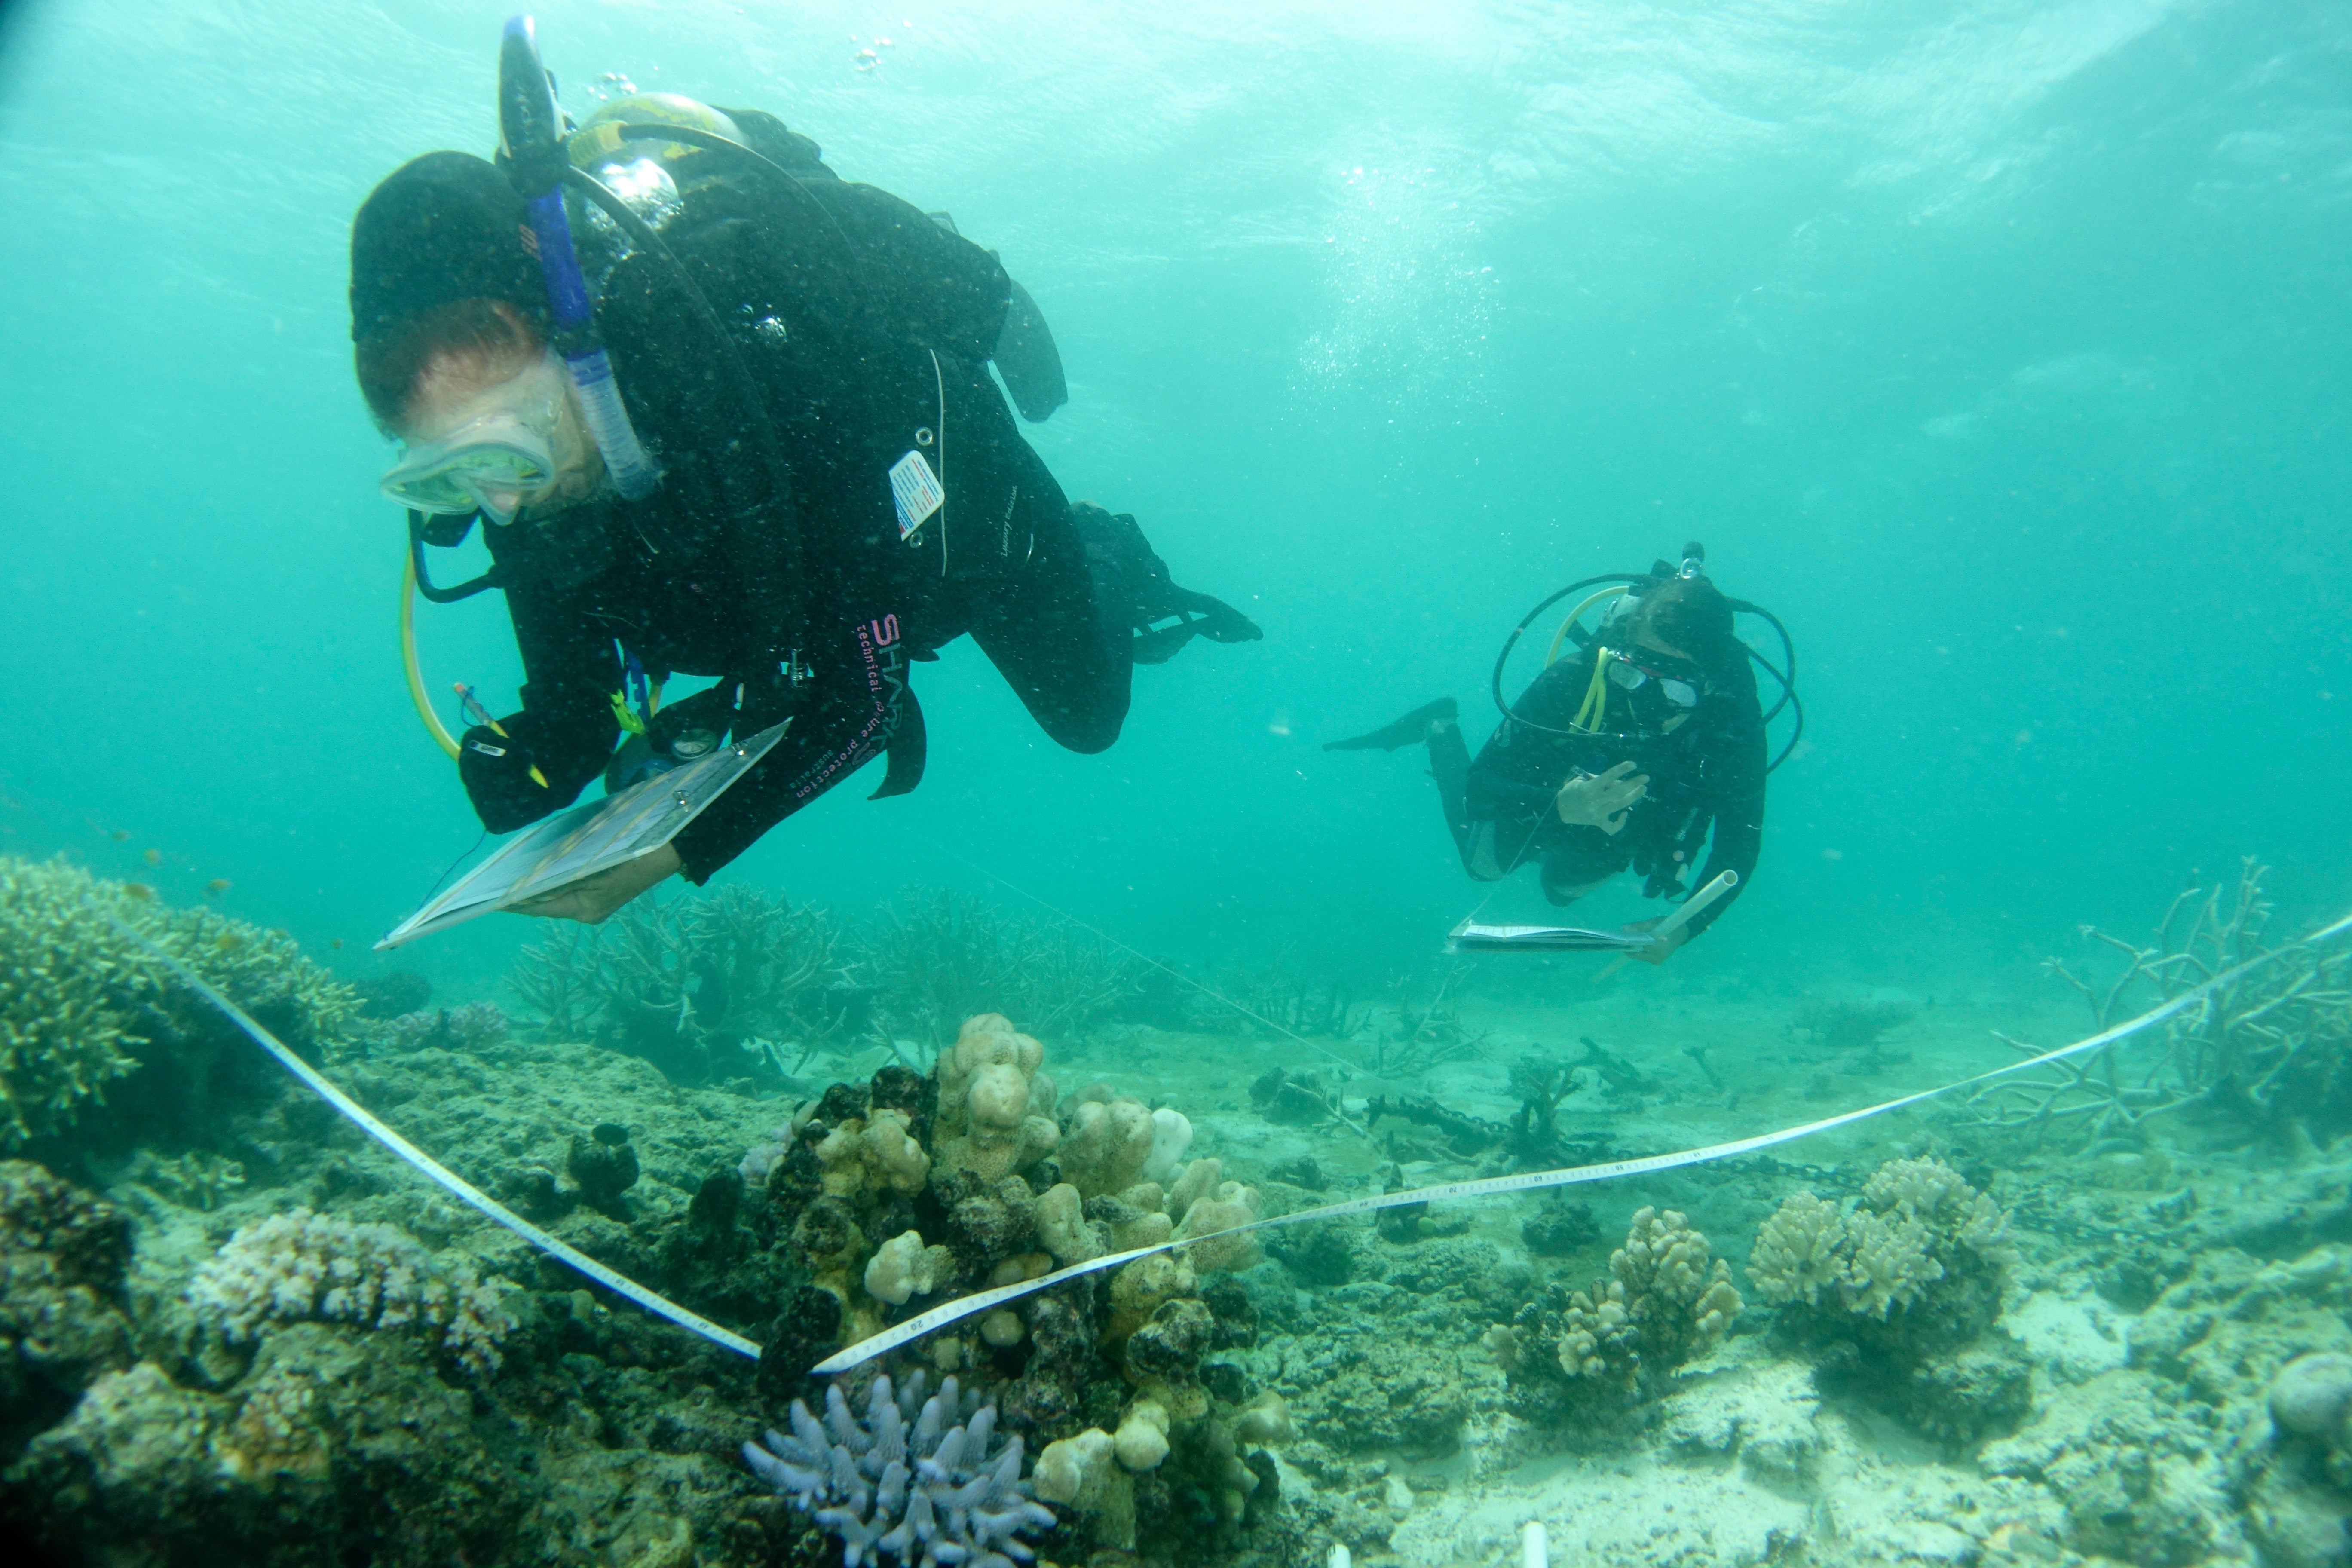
1623	757
829	485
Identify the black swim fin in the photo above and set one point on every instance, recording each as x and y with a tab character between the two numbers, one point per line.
1133	585
1411	729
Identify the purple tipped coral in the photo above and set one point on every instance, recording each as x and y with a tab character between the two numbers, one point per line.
903	1484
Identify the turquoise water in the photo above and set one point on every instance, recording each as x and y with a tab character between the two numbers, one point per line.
1999	348
2002	349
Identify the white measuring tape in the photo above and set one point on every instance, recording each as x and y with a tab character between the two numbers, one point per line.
456	1185
939	1317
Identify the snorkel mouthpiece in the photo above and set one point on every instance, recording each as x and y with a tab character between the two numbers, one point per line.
530	135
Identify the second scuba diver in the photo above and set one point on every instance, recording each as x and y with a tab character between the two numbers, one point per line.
860	498
1622	758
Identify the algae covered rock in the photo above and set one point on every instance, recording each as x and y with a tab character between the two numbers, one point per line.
62	1259
344	1443
1371	1390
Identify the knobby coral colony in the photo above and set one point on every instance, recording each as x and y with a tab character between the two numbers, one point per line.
903	1483
303	1265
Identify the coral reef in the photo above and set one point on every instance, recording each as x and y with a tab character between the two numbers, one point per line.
989	1080
1918	1227
67	981
63	1258
605	1435
1897	1292
393	993
465	1028
904	1483
301	1265
1563	1228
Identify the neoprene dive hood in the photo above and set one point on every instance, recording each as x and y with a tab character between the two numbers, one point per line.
1620	585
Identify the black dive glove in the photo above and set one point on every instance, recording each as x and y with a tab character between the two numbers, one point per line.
506	784
1134	581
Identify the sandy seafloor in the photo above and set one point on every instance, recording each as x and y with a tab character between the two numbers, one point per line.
2156	1291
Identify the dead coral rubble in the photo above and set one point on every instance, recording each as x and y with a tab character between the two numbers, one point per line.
2271	1050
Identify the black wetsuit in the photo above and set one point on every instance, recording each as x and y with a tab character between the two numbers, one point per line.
1708	769
868	328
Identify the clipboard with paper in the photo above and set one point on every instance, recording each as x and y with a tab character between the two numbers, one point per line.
580	842
1471	936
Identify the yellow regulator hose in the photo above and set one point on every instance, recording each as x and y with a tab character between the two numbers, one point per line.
1552	654
439	730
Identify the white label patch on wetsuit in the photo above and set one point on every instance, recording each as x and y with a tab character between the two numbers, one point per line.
917	491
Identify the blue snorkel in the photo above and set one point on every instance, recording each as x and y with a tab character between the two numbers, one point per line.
530	138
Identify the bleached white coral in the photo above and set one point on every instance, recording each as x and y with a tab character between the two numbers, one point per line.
994	1103
301	1265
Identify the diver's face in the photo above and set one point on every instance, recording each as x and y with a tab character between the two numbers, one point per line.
1646	637
454	394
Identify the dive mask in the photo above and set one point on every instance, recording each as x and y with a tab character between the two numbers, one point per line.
1627	674
499	461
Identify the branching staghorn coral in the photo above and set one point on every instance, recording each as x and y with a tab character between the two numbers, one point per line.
689	983
943	956
300	1265
1294	1004
904	1484
66	978
79	998
2272	1047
